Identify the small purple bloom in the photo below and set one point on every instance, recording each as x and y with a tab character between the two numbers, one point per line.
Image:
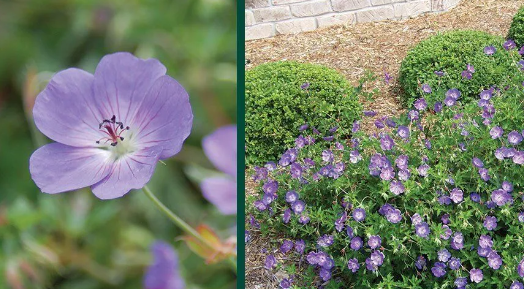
110	128
270	262
456	195
496	132
339	223
286	216
303	127
325	241
437	107
387	78
396	187
356	243
404	175
324	274
476	275
421	104
163	271
439	269
521	217
349	232
300	245
286	246
386	142
470	68
454	263
387	174
466	74
445	219
439	73
359	214
304	86
356	126
518	158
453	93
327	156
416	219
514	137
354	156
516	284
490	223
270	187
457	241
485	241
303	219
285	283
484	174
490	50
291	197
449	101
260	205
374	241
461	282
477	162
393	216
422	230
443	255
447	232
403	131
426	88
298	207
483	252
520	268
370	113
353	265
379	124
423	170
509	44
413	115
420	263
507	186
494	260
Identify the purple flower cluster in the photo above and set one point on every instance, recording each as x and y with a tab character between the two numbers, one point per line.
323	262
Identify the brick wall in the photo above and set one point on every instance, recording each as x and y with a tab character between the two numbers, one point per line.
266	18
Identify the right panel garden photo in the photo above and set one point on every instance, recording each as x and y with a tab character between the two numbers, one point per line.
384	144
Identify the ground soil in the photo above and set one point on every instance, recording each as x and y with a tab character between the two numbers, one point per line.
352	49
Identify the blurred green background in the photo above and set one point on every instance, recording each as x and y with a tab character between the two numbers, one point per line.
73	240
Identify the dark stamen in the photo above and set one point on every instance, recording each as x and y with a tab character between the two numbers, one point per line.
114	143
113	119
121	138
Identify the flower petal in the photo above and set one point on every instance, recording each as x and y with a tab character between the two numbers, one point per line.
65	110
163	273
57	168
129	172
122	82
221	149
222	193
164	118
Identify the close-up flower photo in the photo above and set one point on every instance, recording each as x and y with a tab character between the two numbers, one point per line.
118	153
384	144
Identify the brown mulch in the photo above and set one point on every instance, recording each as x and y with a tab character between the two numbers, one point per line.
378	47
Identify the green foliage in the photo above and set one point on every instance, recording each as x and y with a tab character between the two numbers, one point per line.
516	30
450	167
276	105
451	52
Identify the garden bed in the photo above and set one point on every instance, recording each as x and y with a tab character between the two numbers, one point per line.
379	47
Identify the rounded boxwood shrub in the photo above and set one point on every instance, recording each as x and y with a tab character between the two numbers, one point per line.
282	96
450	53
435	200
516	30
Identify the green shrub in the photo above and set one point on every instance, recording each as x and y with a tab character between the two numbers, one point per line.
516	30
276	105
451	52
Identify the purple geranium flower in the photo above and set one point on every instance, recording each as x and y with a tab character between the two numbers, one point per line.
461	282
300	245
476	275
457	241
501	197
356	243
339	223
354	156
485	241
386	142
496	132
303	219
286	216
286	246
374	241
449	101
324	274
437	107
518	158
423	170
110	128
404	175
477	162
507	186
359	214
456	195
520	268
490	50
422	230
270	262
447	232
466	74
403	131
298	207
439	73
494	260
509	44
396	187
325	241
443	255
514	137
521	217
285	283
490	223
516	284
303	127
454	263
291	197
439	269
484	174
421	104
393	216
420	263
426	88
163	271
416	219
453	93
305	85
370	113
413	115
353	265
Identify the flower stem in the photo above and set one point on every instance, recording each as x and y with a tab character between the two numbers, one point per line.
176	219
183	225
